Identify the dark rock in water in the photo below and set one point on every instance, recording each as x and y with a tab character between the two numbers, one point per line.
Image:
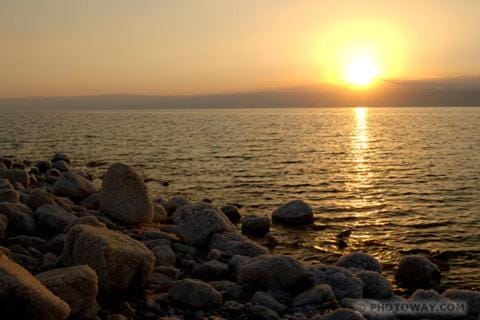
319	295
359	261
344	234
60	156
20	217
76	285
236	244
96	163
197	222
294	212
7	195
342	314
256	226
232	213
344	284
211	270
17	175
415	271
195	294
60	165
176	202
374	285
121	263
124	196
270	270
471	298
22	296
52	219
266	300
74	186
164	255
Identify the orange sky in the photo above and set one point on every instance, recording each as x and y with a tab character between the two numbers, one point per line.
69	47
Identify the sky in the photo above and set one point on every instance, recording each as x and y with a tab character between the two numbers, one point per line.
181	47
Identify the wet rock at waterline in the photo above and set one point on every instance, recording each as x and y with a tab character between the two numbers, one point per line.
295	212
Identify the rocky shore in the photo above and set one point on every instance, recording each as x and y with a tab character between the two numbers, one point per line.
70	250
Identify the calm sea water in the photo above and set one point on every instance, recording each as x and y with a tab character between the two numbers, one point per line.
401	179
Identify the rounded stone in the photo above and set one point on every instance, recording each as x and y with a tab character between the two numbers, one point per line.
293	212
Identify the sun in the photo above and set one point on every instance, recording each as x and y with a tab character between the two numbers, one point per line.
361	71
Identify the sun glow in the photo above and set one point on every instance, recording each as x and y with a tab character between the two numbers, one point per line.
361	71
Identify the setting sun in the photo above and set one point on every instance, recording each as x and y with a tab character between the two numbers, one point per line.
361	71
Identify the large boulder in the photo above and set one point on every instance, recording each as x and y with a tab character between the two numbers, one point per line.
120	262
124	196
359	261
74	186
195	294
344	284
271	270
197	222
236	244
22	296
293	212
52	219
415	271
76	285
20	217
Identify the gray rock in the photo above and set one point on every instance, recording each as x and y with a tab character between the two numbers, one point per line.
39	197
232	213
57	156
271	270
20	176
77	286
20	217
8	195
211	270
343	314
120	262
415	271
164	255
229	290
159	282
87	220
319	295
236	244
60	165
197	222
375	286
124	196
22	296
471	298
92	202
266	300
176	202
359	261
74	186
195	294
256	226
160	215
52	219
293	212
344	284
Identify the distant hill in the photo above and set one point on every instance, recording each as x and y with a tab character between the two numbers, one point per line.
459	91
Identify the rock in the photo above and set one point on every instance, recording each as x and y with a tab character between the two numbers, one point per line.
293	212
236	244
211	270
120	262
22	296
49	261
11	196
256	226
195	294
43	165
415	271
343	314
471	298
17	175
164	255
359	261
74	186
228	289
92	202
266	300
20	217
5	184
197	222
319	295
375	286
39	197
176	202
88	220
76	285
160	215
232	213
60	156
60	165
159	282
344	284
124	196
3	225
271	270
237	261
52	219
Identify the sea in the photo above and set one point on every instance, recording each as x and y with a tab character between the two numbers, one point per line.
398	180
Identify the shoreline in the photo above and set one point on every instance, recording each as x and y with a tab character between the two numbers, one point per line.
172	257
